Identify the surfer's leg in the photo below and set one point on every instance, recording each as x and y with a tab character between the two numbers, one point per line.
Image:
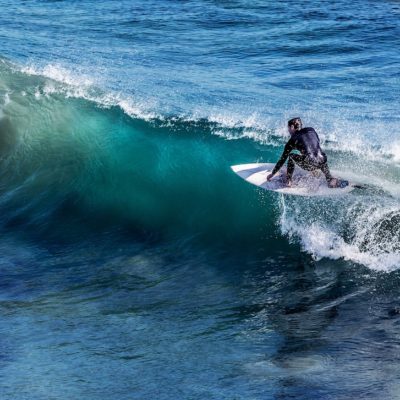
290	168
326	172
304	163
332	182
293	159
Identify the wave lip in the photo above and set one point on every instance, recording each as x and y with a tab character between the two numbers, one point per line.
343	135
75	85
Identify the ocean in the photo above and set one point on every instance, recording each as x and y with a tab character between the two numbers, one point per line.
134	264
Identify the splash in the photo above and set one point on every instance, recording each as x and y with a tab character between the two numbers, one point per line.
362	231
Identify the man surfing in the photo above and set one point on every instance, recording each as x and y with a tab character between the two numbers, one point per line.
311	157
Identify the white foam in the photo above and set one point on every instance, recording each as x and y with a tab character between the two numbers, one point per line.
394	150
367	245
78	85
60	74
6	98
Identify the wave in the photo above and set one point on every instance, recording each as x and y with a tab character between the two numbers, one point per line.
72	154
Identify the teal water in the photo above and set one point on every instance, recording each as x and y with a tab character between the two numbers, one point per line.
134	263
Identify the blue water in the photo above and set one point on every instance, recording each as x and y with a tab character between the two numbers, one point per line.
134	264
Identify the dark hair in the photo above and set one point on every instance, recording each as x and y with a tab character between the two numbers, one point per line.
296	123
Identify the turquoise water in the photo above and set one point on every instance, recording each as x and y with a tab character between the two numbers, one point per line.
134	263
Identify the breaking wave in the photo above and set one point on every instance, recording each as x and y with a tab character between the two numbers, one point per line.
73	154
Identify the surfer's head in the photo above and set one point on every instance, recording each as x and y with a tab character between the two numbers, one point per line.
294	125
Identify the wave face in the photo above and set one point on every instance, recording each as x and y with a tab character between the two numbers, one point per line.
65	154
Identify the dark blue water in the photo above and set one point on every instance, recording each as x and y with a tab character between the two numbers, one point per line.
134	264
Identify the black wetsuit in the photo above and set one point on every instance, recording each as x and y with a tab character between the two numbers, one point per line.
312	158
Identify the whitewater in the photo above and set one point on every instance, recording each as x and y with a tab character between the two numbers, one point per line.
134	262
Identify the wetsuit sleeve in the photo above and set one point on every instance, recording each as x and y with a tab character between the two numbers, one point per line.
286	151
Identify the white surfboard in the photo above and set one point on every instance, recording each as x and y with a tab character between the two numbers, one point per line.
304	183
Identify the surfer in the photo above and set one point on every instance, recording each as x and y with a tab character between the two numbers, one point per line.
311	157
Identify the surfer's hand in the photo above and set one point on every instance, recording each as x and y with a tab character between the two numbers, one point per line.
269	177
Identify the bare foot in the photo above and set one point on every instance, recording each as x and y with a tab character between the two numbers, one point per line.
289	183
333	183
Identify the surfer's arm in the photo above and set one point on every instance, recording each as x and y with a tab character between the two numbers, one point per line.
286	151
